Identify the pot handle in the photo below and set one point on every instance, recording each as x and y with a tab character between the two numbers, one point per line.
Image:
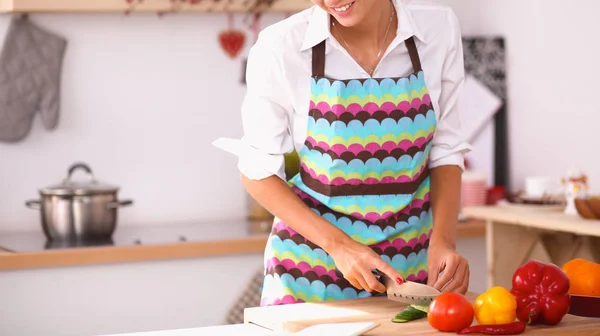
83	166
33	204
114	205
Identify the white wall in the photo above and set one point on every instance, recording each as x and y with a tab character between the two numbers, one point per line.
553	70
142	99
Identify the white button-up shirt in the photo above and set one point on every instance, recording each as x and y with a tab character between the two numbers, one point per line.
276	105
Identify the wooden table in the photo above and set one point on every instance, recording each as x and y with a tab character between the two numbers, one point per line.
295	317
517	233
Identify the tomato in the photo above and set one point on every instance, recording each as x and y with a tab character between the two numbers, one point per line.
450	312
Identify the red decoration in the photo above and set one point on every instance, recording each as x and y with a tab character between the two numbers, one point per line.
232	40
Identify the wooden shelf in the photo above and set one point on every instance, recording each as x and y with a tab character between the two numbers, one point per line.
107	6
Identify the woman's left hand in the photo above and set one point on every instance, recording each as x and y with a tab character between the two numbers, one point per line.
443	258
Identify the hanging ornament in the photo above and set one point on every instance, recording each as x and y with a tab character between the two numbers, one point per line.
232	40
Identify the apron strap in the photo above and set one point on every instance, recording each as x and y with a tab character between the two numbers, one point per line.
414	54
318	57
318	60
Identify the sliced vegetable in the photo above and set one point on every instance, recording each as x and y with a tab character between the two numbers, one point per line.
410	313
542	294
514	328
421	308
450	312
496	306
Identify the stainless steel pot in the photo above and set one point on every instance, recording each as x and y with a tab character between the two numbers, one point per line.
78	210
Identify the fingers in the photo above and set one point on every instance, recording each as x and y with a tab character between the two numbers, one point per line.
354	282
448	274
363	283
389	271
432	272
459	277
465	285
372	283
361	276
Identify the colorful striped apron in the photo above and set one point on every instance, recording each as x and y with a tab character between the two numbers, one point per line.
363	168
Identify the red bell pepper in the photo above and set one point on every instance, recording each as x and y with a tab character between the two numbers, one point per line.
542	293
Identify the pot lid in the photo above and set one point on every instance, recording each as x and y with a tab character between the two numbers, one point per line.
87	186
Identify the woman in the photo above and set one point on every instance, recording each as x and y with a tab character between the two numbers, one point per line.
365	91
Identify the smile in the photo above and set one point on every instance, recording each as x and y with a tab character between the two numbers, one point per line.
343	8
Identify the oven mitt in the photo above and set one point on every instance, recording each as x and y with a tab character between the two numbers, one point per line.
30	74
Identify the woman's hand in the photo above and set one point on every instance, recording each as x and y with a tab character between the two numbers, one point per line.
442	257
357	262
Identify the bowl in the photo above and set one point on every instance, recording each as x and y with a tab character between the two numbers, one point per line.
593	203
583	208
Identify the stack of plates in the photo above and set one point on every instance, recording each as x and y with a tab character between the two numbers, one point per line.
474	189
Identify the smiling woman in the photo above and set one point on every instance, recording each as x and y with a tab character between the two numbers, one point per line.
365	92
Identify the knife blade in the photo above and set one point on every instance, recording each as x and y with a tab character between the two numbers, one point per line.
409	292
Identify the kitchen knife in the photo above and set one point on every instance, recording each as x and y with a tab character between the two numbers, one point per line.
409	292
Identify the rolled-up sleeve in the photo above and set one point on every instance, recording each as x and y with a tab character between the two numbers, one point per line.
265	115
450	144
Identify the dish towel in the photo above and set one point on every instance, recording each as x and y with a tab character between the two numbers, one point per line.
30	74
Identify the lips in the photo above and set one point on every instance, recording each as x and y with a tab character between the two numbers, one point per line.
343	8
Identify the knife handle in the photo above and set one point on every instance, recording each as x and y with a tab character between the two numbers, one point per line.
377	274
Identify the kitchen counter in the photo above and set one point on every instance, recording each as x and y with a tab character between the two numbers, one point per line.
296	317
133	243
533	232
22	250
224	330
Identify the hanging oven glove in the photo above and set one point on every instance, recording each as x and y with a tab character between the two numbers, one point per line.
30	74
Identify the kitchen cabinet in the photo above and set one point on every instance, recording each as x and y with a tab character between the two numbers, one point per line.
93	6
226	330
133	288
105	299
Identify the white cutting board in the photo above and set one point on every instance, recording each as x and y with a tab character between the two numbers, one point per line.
332	329
329	329
338	329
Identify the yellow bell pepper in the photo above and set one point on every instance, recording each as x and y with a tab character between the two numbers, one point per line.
496	306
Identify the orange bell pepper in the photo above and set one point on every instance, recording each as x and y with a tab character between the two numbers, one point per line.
496	306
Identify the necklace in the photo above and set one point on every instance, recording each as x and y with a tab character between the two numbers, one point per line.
371	70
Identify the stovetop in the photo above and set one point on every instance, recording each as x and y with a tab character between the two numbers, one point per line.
35	241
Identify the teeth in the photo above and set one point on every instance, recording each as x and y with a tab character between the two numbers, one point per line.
343	8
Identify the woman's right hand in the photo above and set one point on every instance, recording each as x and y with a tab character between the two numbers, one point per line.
357	262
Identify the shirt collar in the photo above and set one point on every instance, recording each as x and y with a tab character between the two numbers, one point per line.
318	26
